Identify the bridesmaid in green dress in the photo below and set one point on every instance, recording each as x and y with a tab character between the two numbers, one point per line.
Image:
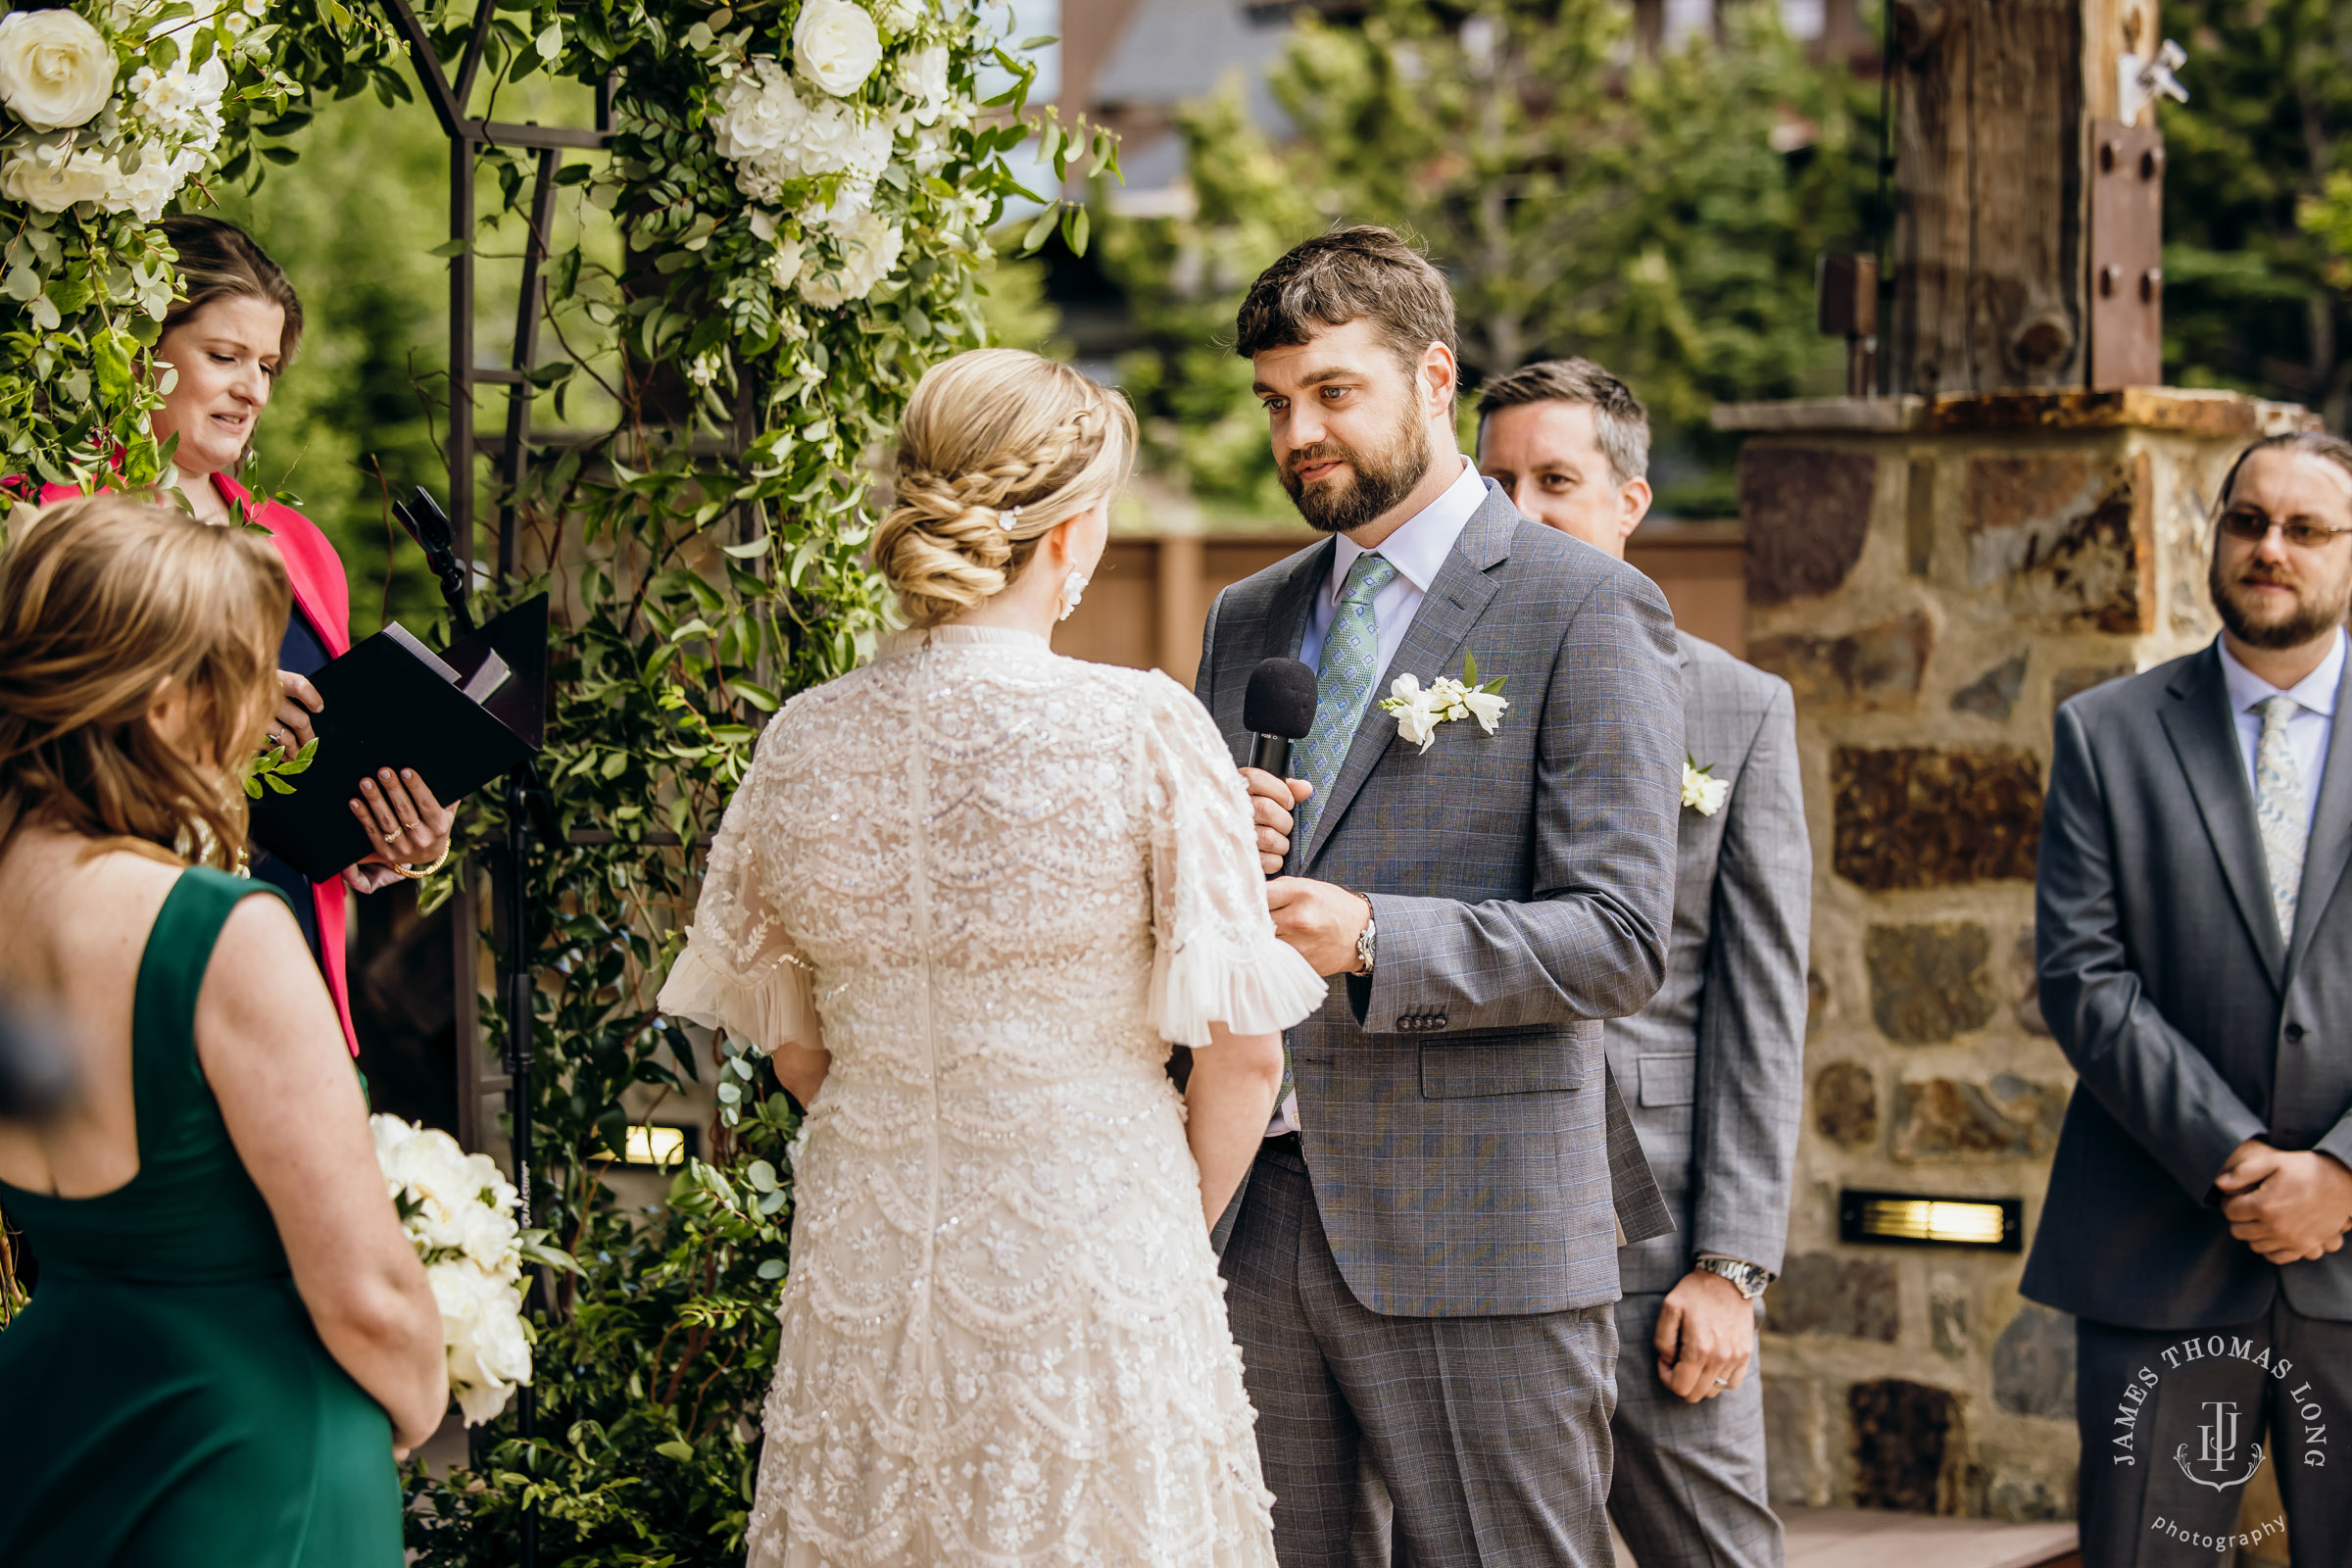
230	1339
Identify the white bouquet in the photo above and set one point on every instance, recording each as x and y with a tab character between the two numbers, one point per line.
458	1211
114	104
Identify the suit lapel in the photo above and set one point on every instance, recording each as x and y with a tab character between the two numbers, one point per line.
2204	739
1446	612
2330	843
1284	625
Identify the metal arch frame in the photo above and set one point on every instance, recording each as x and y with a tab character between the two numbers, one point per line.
467	136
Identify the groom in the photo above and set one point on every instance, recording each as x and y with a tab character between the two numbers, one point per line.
1421	1265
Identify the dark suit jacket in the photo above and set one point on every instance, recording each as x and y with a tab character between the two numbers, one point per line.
2192	1024
1453	1106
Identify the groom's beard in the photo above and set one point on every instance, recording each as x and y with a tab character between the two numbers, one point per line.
1380	478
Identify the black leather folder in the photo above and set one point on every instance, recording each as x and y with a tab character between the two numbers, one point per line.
393	703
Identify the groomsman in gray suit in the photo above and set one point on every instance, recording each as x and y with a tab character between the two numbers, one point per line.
1715	1061
1422	1268
2193	929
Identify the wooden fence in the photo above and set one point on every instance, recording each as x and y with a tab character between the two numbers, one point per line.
1150	600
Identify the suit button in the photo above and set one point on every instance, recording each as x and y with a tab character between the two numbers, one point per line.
2294	1031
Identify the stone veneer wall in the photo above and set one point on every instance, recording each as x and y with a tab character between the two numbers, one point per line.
1933	578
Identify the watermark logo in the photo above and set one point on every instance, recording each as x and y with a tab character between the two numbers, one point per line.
2218	1451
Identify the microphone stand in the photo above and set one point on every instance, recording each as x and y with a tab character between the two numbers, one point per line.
530	808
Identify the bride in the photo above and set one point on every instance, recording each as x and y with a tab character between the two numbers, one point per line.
966	895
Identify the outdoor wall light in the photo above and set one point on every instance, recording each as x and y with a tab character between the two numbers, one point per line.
654	1146
1914	1219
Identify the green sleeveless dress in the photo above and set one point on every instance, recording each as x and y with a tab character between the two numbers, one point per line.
165	1401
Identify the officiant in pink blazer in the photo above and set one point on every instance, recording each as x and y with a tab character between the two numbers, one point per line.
230	336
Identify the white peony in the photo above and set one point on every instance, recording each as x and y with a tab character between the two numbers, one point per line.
834	46
39	176
56	69
868	245
923	78
482	1338
460	1220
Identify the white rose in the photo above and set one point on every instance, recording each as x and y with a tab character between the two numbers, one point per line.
86	175
56	69
923	78
834	46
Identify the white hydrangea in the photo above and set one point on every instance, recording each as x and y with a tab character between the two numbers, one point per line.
459	1212
773	136
866	250
149	188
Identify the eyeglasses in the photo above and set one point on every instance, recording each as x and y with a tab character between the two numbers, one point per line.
2254	525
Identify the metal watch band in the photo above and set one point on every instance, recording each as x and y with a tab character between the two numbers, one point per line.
1748	1279
1364	939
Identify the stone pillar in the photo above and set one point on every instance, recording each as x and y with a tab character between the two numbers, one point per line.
1934	577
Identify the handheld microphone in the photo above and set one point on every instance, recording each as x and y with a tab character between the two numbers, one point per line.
1277	708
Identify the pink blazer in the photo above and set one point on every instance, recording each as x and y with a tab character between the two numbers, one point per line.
323	594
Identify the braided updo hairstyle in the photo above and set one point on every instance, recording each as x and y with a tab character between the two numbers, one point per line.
987	432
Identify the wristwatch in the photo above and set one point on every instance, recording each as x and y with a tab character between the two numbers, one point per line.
1364	939
1747	1279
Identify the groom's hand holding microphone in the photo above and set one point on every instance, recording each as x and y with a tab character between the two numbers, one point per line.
1322	921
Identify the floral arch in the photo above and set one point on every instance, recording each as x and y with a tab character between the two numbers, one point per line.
776	223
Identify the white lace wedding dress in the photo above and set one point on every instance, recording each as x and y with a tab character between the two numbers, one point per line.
1002	881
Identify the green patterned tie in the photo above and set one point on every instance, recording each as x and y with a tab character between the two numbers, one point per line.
1344	677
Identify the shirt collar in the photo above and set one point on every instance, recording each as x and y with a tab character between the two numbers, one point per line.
2314	691
1419	548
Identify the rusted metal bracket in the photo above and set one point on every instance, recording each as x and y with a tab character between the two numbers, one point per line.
2126	256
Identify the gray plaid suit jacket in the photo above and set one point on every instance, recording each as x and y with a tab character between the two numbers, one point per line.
1715	1064
1453	1104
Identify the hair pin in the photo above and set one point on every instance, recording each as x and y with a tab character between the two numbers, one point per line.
1007	517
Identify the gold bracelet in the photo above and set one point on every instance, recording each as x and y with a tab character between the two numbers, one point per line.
417	873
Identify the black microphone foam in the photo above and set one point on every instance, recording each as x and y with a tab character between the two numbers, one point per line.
1277	708
1280	700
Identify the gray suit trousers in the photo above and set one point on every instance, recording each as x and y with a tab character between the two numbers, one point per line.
2162	1480
1689	1489
1492	1432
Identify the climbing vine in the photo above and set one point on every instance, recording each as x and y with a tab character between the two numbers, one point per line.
791	222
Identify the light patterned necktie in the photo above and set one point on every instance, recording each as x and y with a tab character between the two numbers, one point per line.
2279	809
1343	675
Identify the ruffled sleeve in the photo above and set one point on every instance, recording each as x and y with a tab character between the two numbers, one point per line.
1216	958
740	971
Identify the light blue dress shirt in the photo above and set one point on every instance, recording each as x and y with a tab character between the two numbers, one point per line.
2307	732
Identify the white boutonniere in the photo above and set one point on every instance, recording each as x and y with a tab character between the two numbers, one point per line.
1419	713
1702	793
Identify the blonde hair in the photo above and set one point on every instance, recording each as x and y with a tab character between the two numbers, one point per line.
102	600
997	447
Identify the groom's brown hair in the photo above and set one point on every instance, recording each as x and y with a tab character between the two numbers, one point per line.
1349	275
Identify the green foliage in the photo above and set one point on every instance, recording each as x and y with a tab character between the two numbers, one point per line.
1662	216
2255	236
